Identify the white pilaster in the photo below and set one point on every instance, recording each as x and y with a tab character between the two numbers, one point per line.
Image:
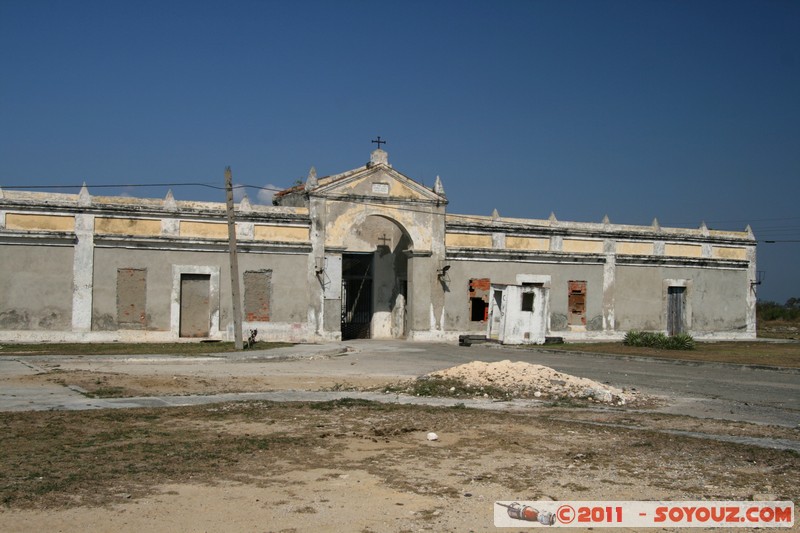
83	273
752	296
609	283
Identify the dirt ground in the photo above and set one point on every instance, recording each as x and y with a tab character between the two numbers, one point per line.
352	465
358	466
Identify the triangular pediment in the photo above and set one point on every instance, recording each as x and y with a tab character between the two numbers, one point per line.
375	182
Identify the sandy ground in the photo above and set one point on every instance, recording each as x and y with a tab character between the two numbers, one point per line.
365	468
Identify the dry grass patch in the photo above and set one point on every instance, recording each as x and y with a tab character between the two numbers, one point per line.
114	348
782	354
94	458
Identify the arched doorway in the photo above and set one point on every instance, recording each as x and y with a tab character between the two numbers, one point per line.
375	280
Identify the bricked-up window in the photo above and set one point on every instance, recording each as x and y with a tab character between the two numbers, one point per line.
132	298
479	299
257	295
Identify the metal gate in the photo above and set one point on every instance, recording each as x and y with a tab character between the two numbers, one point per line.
356	296
675	309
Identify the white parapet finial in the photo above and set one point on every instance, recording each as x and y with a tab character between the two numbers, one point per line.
495	214
438	188
606	220
169	201
84	198
656	225
311	180
244	205
552	217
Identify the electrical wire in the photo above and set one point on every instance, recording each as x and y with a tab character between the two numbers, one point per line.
134	185
768	231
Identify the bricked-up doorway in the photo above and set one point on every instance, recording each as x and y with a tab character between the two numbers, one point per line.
257	295
356	295
195	307
132	298
577	303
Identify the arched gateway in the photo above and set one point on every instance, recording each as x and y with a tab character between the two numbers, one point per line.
378	241
375	280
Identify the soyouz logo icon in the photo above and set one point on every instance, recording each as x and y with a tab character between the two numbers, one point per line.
642	514
527	513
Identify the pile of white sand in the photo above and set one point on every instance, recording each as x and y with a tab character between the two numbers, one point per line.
525	380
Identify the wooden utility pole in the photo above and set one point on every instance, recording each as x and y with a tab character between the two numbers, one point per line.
236	300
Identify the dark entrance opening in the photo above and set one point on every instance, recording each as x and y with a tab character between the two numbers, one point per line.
356	295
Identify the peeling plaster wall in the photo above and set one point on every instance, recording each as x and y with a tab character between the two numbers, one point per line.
457	298
582	246
158	286
384	182
57	245
213	230
717	299
30	222
36	288
527	243
280	234
468	240
724	252
289	292
683	250
127	226
348	217
634	248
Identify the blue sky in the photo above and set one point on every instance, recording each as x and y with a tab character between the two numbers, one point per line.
684	111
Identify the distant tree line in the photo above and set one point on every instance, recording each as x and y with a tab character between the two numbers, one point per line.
775	311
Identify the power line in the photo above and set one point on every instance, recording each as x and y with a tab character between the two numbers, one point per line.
741	221
135	185
277	189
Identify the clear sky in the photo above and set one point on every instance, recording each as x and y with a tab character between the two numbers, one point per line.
685	111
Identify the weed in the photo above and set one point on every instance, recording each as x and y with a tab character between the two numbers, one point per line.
447	387
115	348
339	387
569	402
107	392
648	339
344	403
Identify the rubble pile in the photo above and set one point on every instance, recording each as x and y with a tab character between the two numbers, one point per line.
525	380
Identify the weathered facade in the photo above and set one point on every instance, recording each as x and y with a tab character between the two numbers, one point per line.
365	253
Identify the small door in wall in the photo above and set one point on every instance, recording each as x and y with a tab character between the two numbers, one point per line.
496	321
676	305
195	305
